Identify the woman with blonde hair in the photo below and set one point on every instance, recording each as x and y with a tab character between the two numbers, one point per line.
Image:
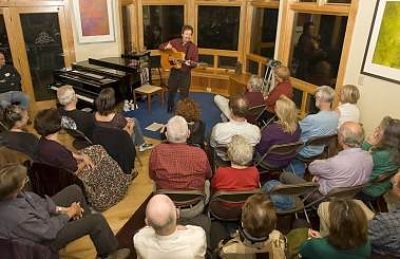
348	109
283	131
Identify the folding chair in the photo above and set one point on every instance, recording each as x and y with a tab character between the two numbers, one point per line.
254	114
49	180
295	191
327	141
289	149
375	204
227	205
183	198
216	153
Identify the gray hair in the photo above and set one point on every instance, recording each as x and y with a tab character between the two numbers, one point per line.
177	129
65	95
240	152
325	93
352	134
256	83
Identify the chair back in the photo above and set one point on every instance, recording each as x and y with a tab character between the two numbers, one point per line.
254	113
118	144
49	180
294	189
345	192
286	150
3	127
227	205
17	249
325	141
217	153
183	198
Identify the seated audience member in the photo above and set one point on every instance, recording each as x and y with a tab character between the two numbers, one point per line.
384	146
104	181
18	138
349	167
10	86
84	120
240	176
323	123
348	234
53	222
163	238
384	228
190	110
284	130
177	166
257	232
253	95
238	125
282	87
348	109
106	116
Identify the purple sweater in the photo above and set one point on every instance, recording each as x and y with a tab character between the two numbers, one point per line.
274	135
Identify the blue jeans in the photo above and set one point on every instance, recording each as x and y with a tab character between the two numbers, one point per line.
12	97
137	136
279	201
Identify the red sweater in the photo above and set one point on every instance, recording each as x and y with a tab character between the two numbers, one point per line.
284	88
233	179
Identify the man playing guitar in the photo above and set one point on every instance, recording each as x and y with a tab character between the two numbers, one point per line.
180	78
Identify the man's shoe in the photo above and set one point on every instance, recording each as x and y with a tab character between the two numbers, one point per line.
145	146
122	253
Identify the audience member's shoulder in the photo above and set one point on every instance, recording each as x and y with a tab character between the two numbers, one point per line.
143	234
195	231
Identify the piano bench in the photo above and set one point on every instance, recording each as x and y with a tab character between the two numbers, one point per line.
149	91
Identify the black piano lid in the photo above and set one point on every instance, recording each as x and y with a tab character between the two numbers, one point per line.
118	63
85	65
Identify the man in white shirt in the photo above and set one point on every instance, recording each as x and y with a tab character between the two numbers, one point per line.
222	132
162	238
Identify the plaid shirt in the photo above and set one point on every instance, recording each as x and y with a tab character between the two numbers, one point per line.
384	233
179	166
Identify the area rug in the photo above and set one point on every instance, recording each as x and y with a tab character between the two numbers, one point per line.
210	114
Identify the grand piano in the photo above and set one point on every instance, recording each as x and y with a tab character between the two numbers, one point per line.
89	77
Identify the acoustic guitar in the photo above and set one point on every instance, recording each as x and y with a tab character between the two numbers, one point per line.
171	58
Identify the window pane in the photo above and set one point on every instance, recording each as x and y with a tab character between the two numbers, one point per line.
227	62
263	33
218	27
126	26
161	23
44	50
317	42
209	59
252	67
297	97
4	46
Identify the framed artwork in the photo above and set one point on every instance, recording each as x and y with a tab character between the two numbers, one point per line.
94	20
382	56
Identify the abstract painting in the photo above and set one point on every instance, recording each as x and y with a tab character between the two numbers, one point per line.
94	20
383	50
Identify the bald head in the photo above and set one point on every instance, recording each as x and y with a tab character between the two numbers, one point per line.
239	106
351	134
161	213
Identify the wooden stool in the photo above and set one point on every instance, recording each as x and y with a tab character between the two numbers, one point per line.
149	90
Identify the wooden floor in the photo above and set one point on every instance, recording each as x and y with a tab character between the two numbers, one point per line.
119	214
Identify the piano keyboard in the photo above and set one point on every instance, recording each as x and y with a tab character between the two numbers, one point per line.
81	97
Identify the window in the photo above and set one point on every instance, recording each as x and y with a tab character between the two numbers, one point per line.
4	46
263	33
161	23
218	27
317	43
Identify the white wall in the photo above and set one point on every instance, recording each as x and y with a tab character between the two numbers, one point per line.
378	97
102	49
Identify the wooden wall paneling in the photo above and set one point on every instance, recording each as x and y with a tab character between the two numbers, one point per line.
346	48
69	35
18	52
242	32
314	8
247	37
140	29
